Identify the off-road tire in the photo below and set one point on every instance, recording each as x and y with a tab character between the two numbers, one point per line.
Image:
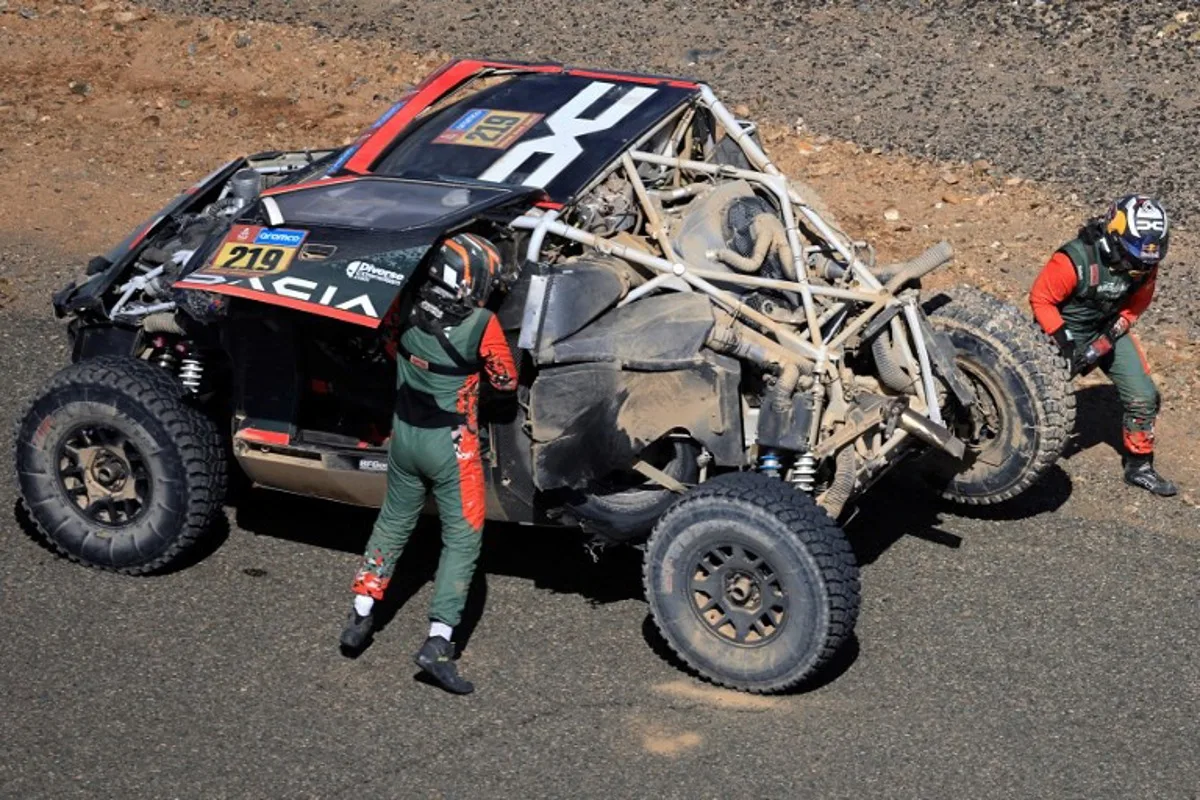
798	544
179	449
1031	388
629	515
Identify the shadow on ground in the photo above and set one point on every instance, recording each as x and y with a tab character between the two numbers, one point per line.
553	559
1097	419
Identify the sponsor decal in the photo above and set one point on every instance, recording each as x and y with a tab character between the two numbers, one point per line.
289	287
566	125
372	465
366	271
253	250
281	237
486	127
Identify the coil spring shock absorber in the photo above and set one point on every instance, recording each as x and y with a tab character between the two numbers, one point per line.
164	354
768	464
804	472
191	372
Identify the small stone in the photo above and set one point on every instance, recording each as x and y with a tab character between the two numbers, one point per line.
891	214
79	87
1182	16
183	103
951	199
949	178
1014	181
981	166
153	120
233	112
28	13
995	245
281	126
99	8
741	110
243	39
124	17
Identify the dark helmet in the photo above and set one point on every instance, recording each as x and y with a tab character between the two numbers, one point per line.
1139	226
466	266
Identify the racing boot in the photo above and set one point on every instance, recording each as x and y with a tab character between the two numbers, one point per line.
1140	472
357	633
436	659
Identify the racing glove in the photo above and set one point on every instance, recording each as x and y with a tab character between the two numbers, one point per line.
1066	343
1101	346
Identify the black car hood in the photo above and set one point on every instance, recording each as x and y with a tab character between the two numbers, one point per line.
313	258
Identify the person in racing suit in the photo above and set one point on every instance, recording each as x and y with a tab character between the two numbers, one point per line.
1087	298
451	340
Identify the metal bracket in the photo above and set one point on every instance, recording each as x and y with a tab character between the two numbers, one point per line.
658	476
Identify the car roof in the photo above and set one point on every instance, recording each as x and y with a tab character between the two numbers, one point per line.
542	125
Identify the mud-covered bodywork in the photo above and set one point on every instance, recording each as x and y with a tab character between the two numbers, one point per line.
677	305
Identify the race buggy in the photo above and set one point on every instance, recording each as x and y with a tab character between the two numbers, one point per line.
709	368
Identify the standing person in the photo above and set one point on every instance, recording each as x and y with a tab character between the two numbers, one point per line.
1089	295
451	340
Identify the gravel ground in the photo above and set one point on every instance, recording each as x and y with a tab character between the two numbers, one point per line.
1047	653
1100	97
1050	653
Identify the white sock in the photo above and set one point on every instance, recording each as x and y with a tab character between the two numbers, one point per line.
363	603
441	629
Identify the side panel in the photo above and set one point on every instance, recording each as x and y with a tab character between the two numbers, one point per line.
594	419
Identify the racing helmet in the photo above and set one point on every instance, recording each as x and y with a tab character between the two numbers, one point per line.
466	267
1139	231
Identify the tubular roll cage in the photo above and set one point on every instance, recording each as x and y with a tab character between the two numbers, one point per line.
818	354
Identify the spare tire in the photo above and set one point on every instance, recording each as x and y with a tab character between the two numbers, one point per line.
116	470
1024	412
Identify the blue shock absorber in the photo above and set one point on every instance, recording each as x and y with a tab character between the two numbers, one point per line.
768	464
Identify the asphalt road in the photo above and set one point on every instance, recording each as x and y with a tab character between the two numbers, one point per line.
1040	656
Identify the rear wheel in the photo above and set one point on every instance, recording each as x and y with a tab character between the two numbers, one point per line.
116	470
1024	411
751	583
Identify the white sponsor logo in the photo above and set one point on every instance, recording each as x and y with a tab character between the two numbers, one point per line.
290	287
366	271
562	146
1147	219
372	465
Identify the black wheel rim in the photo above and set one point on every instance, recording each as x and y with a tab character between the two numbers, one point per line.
103	475
737	595
982	426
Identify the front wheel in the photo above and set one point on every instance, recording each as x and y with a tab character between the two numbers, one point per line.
1024	409
116	470
751	583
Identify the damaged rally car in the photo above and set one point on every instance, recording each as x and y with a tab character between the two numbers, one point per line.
709	368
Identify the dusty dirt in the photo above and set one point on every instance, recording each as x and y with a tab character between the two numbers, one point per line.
107	110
